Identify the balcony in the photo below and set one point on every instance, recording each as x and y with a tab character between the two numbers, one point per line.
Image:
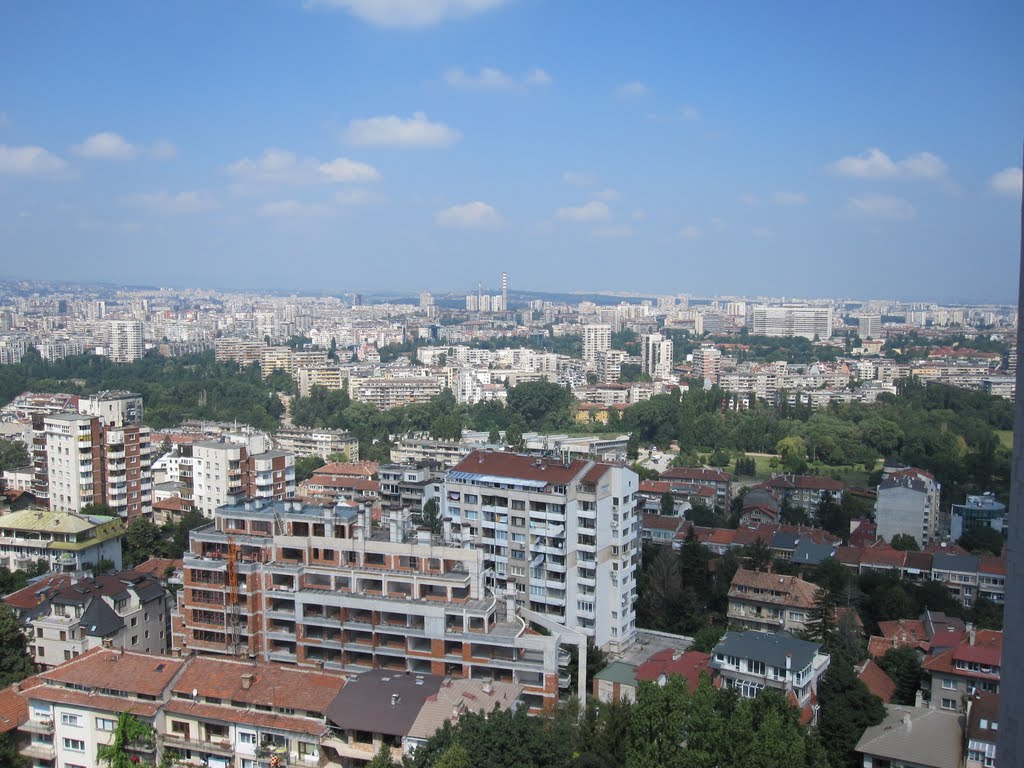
36	726
216	745
39	750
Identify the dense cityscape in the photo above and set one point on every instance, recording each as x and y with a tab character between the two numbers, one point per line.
511	384
424	508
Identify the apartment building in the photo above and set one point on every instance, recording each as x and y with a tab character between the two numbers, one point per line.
809	322
805	491
316	442
69	616
81	459
124	340
74	710
972	666
707	363
982	511
384	393
908	503
769	602
753	661
412	451
318	586
597	339
656	356
565	534
222	472
720	482
241	351
329	376
65	541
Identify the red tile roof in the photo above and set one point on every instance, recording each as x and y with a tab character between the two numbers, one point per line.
879	683
221	713
157	566
987	649
14	703
696	473
513	465
804	482
138	673
670	662
655	486
661	522
352	469
30	596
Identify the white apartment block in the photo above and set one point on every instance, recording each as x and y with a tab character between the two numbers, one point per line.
596	339
792	321
385	393
656	356
124	342
707	362
564	536
908	503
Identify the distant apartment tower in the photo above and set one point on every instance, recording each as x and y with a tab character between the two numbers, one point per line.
125	340
707	362
609	365
223	472
792	321
908	503
869	326
656	356
100	456
563	537
596	339
504	291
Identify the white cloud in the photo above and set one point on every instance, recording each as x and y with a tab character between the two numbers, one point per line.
475	215
578	178
1007	182
595	210
344	170
632	90
169	203
790	198
279	166
717	222
29	161
394	131
689	114
106	146
293	208
538	77
882	207
639	215
491	79
408	13
876	164
163	150
689	232
608	194
613	231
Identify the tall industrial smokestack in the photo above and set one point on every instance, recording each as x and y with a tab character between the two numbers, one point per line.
1011	716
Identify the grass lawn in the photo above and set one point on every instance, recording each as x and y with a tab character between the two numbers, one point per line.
855	476
1006	437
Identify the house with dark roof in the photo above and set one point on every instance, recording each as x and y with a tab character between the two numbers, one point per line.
916	737
982	730
753	661
65	617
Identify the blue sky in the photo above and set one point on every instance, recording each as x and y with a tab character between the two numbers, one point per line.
798	148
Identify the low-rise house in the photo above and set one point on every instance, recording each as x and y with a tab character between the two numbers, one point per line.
982	730
66	618
689	665
65	541
970	667
719	482
805	491
380	707
615	682
770	602
913	737
660	529
753	661
875	680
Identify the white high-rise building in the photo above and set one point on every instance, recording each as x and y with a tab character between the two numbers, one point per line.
125	340
707	362
656	356
596	339
869	326
792	321
562	537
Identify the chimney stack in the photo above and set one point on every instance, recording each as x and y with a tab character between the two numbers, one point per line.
247	681
395	698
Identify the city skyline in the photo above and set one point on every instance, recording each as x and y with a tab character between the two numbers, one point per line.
391	147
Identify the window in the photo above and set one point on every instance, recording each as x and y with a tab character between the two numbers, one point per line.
755	667
103	724
74	745
69	719
949	683
135	639
135	621
247	737
949	703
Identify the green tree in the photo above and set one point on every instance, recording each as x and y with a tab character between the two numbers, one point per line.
9	755
129	733
905	542
13	454
142	541
431	517
668	504
180	538
514	434
305	466
982	539
494	436
455	756
707	638
383	758
633	446
847	709
759	554
15	661
903	665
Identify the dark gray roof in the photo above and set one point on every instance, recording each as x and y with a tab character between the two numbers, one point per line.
769	647
809	553
784	540
963	563
366	702
100	620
